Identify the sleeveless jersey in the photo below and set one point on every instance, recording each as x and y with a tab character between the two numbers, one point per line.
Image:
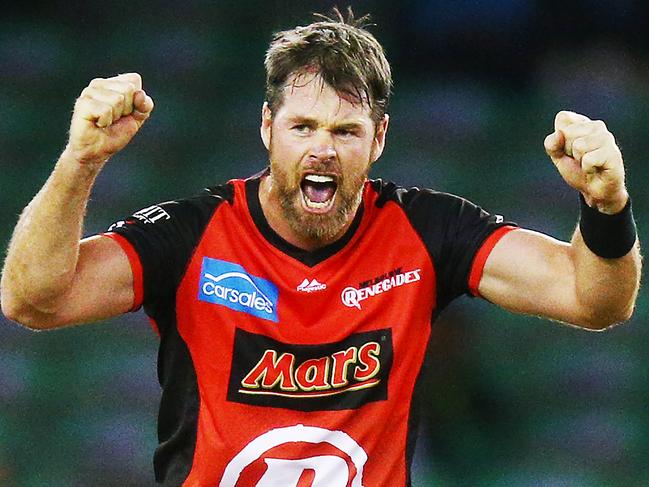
282	367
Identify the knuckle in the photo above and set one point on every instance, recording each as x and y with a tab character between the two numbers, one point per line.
564	120
599	125
136	77
96	82
116	100
129	95
126	89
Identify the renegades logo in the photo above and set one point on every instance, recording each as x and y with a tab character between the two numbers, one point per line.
332	376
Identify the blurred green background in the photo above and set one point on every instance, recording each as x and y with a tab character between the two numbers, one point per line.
512	401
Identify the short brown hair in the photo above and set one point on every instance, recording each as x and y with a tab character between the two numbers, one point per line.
341	51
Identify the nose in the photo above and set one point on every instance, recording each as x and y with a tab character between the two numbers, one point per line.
322	148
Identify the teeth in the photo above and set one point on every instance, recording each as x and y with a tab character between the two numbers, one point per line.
316	205
319	178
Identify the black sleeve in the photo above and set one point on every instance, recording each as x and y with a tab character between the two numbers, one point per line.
453	230
164	236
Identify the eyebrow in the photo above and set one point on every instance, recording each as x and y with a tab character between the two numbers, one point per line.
348	125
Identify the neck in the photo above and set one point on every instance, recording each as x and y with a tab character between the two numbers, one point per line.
273	213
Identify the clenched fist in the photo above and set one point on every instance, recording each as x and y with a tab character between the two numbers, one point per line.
106	116
587	157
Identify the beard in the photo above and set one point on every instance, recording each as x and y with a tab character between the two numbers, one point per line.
325	227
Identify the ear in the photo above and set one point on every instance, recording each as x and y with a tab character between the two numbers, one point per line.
266	125
379	138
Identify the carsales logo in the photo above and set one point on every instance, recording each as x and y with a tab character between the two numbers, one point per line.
232	286
352	297
339	462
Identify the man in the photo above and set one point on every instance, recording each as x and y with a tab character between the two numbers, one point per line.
294	307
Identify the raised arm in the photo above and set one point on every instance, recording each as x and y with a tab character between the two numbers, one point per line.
591	282
51	278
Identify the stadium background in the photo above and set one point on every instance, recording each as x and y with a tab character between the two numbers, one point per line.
512	401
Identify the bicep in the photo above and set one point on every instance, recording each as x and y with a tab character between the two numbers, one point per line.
102	286
532	273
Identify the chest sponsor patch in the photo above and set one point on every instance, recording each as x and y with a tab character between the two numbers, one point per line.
331	376
230	285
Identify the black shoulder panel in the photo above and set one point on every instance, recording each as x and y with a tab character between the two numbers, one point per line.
452	228
165	236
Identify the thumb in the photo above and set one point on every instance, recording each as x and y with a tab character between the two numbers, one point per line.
142	106
555	144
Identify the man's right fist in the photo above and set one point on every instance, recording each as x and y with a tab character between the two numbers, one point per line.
106	116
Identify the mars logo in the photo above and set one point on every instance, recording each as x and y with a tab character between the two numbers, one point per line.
332	376
230	285
277	457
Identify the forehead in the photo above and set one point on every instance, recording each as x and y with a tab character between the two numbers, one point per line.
309	96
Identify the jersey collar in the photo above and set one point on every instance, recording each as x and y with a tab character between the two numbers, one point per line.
308	258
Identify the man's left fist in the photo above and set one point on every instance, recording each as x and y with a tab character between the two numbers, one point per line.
587	157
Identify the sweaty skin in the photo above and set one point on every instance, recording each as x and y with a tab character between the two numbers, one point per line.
51	279
532	273
316	131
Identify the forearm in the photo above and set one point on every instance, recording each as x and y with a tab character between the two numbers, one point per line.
606	289
44	249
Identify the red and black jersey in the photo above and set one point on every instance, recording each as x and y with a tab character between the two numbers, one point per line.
282	367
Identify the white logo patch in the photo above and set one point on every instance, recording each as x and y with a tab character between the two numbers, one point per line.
352	297
151	214
311	286
115	225
327	468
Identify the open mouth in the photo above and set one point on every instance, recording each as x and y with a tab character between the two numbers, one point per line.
318	192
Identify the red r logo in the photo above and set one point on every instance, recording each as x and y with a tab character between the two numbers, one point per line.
328	470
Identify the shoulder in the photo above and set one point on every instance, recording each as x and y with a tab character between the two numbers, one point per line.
207	199
414	199
200	206
439	216
187	215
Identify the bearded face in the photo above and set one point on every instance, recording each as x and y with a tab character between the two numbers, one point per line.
317	201
321	147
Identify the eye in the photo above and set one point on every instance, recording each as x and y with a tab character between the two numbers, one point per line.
301	128
345	133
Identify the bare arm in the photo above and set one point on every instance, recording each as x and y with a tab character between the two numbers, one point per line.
528	272
532	273
51	278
